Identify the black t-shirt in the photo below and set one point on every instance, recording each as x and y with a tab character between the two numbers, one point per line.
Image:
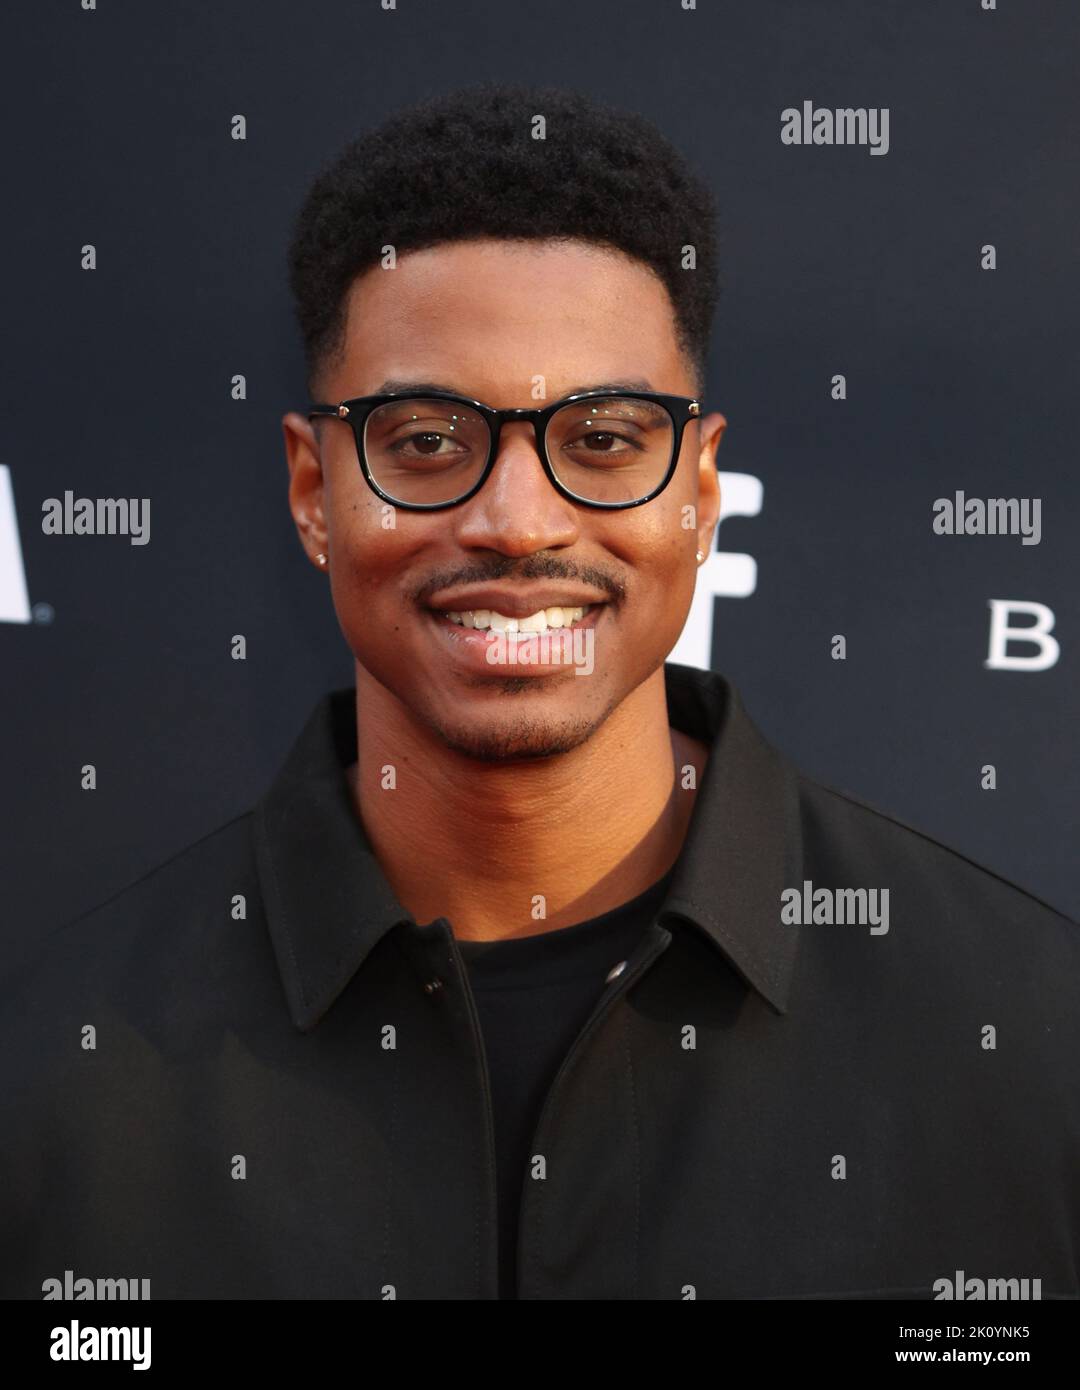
533	994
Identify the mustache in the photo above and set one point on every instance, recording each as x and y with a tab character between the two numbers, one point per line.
533	567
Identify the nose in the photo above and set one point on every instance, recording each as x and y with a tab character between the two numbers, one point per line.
517	511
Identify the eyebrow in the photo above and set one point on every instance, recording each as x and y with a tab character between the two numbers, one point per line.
394	385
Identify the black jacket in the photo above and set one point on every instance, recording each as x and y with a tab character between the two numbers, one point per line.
284	1091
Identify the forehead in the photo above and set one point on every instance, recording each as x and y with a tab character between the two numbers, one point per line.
492	314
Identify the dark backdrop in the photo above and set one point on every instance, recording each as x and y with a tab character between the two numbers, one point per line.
117	382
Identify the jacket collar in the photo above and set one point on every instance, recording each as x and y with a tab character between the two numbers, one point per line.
328	901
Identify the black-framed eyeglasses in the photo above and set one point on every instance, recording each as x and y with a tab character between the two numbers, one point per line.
428	451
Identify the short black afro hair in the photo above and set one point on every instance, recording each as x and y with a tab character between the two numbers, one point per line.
600	174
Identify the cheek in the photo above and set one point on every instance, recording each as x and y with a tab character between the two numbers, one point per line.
658	541
658	552
370	538
369	569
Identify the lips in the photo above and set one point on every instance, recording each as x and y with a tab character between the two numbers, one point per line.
469	648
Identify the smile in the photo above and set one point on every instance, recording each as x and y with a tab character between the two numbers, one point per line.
468	644
539	621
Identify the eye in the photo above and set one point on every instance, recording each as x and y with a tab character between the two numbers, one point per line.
604	442
427	443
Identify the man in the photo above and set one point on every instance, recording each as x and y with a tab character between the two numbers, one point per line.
537	972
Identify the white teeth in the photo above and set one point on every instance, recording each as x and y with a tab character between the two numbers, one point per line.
539	621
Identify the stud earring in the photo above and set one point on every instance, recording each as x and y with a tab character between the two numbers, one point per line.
320	560
700	556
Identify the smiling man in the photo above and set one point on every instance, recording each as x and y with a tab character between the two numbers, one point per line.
565	782
498	992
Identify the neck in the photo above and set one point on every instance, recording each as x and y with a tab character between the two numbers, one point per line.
481	843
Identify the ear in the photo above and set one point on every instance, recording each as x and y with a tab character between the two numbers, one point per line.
306	482
713	426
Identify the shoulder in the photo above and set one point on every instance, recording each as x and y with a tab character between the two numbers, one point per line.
172	936
841	828
971	987
953	921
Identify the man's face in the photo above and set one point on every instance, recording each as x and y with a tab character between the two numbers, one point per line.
486	319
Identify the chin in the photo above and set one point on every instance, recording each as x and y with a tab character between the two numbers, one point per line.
515	737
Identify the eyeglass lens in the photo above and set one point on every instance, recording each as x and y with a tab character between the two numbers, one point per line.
606	449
